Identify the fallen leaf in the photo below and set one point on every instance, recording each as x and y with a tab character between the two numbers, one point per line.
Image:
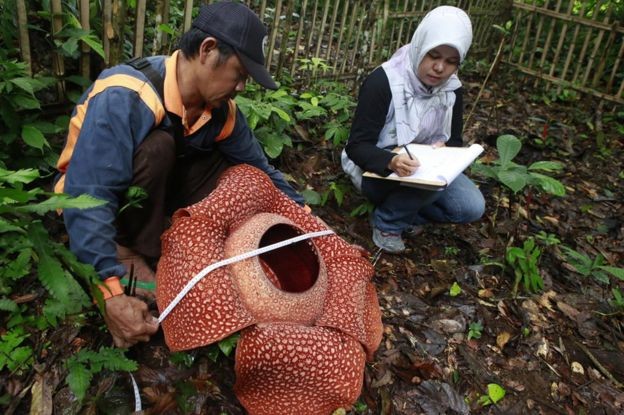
502	339
486	293
569	311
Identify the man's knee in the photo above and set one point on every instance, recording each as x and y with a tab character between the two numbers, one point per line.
154	157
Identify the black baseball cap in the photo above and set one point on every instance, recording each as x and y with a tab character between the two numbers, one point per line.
238	26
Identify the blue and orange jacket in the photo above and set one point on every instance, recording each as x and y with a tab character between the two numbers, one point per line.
109	122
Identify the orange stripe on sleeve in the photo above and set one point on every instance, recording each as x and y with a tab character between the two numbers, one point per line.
143	88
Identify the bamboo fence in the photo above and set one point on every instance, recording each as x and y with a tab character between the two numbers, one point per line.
569	44
308	39
560	42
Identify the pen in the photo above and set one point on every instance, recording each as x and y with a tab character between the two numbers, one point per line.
408	152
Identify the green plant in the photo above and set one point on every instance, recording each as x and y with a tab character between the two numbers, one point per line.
133	198
269	114
548	239
618	299
337	190
584	265
28	255
364	208
494	394
451	251
475	330
524	262
516	176
21	130
86	363
225	347
455	289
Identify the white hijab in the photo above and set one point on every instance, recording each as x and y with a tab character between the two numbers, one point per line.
422	114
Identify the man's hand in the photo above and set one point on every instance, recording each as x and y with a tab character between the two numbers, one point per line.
129	321
402	165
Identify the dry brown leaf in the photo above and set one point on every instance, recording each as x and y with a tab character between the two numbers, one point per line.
569	311
486	293
502	339
552	220
545	299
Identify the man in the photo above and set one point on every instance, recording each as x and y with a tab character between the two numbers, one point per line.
123	134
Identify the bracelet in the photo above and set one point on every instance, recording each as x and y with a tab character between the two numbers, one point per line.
111	287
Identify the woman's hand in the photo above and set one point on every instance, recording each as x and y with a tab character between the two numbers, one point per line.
402	165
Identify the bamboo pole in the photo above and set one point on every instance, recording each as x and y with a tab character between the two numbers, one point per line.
273	35
540	24
349	34
597	44
139	32
312	25
161	16
57	59
616	66
568	60
299	37
284	36
525	42
401	27
85	50
332	27
118	23
107	29
188	15
336	71
617	98
562	36
546	49
580	61
319	41
357	43
24	40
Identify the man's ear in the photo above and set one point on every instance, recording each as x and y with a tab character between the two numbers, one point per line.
207	45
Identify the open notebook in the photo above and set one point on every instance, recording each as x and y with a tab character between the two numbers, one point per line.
438	166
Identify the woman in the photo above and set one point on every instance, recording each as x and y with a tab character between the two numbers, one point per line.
415	97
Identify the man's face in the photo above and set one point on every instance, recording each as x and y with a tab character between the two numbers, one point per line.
438	65
220	81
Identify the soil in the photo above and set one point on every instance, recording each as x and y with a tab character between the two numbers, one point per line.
558	351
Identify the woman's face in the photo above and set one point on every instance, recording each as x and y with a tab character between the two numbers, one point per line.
438	65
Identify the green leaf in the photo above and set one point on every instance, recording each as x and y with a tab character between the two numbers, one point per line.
24	83
78	379
33	137
7	305
495	392
25	102
228	344
547	184
513	179
615	271
549	166
455	290
63	201
282	114
508	147
19	176
167	29
94	43
311	197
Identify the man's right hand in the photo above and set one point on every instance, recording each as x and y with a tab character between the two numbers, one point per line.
129	320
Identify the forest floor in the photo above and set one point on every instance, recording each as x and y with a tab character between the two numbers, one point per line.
560	351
